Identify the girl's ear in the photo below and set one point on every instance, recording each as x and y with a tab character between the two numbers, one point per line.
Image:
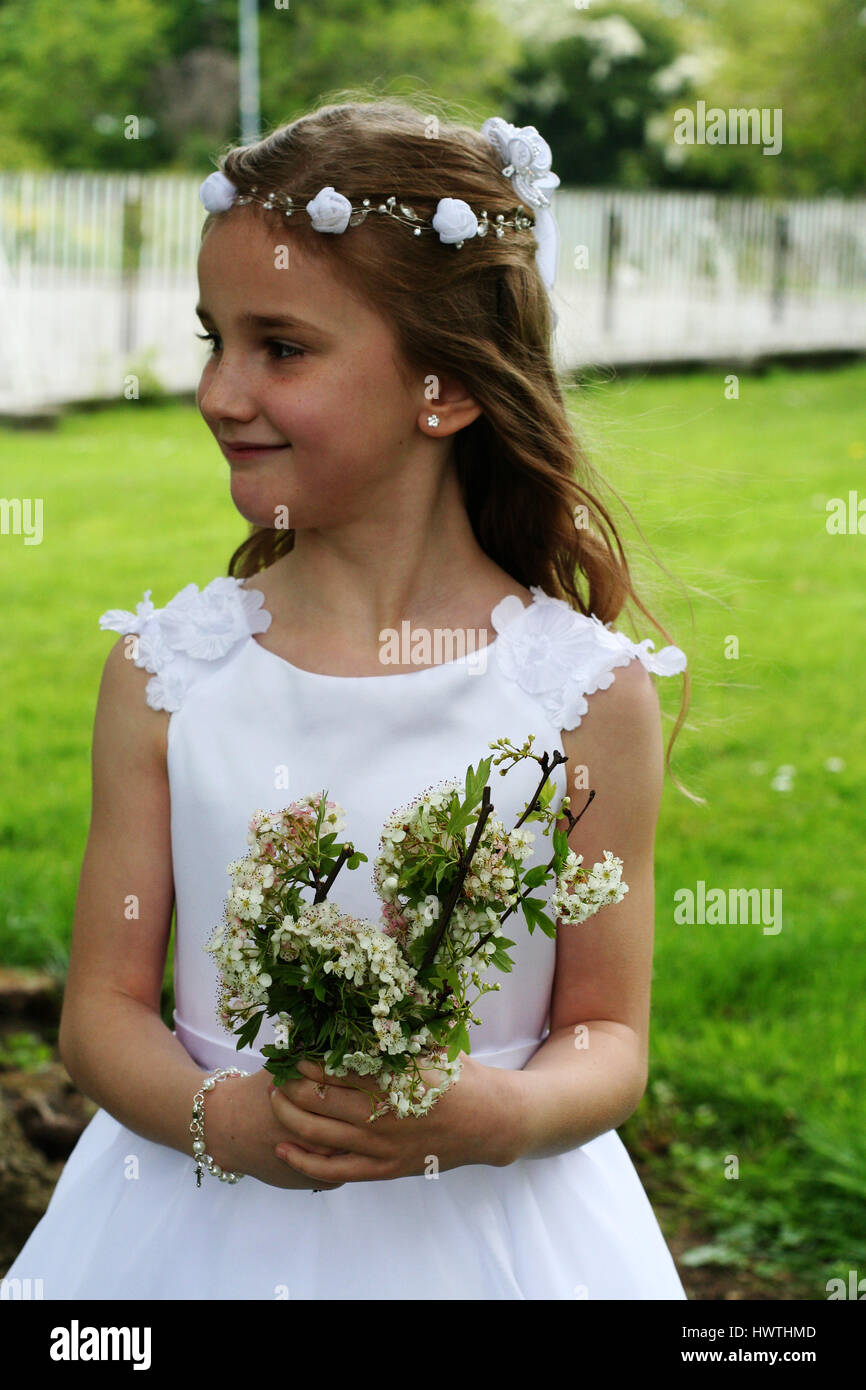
448	403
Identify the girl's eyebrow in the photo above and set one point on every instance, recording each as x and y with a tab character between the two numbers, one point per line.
265	320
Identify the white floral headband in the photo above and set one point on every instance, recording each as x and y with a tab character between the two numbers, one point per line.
527	164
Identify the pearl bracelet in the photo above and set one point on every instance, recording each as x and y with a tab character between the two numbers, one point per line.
196	1128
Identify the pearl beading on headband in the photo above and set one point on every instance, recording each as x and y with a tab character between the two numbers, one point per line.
446	218
454	221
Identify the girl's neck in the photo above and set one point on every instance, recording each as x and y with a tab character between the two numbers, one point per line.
358	594
330	606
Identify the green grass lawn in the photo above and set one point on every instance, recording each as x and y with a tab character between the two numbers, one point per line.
753	1123
758	1038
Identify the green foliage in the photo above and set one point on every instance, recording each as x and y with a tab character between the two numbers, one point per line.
24	1051
71	74
150	385
789	1213
458	1041
806	60
592	99
601	84
500	958
533	911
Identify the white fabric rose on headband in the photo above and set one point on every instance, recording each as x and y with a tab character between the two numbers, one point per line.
454	220
528	158
329	210
217	193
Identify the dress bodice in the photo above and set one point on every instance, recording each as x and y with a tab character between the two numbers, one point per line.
249	731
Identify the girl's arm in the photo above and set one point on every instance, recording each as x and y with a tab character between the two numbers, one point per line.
590	1073
112	1039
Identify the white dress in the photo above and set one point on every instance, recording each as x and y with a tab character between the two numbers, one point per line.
244	722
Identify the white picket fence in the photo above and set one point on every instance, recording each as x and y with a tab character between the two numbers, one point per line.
97	280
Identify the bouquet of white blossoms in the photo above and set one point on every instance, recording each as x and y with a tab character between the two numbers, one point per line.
389	999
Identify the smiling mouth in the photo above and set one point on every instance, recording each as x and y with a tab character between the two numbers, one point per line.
244	449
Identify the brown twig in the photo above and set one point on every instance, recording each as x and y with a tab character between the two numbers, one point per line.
572	822
451	901
322	888
547	768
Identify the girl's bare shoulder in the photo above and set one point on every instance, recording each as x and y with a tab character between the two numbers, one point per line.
123	716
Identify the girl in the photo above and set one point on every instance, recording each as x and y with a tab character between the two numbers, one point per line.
381	385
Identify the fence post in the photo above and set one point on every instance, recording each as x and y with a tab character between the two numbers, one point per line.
130	254
614	238
781	247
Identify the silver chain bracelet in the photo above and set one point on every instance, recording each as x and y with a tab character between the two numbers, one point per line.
196	1128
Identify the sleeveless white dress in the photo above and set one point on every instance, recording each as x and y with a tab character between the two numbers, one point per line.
244	722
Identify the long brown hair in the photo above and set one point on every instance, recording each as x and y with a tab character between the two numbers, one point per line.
481	314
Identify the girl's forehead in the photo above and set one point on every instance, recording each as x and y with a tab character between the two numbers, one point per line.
250	242
258	282
252	262
243	262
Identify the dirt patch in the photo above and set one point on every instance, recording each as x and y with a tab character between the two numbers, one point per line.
41	1112
715	1283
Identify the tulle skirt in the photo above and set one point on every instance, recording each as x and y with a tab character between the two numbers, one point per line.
126	1221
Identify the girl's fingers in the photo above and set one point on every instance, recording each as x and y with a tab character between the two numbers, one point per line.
289	1115
310	1149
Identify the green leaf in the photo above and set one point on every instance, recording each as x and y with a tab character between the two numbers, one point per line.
546	793
547	926
248	1031
460	819
559	839
536	917
476	781
283	1071
535	877
458	1041
532	907
500	958
443	868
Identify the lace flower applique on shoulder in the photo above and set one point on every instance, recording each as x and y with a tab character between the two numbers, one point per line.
560	656
194	627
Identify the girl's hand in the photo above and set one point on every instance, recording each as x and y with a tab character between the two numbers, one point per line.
477	1120
242	1132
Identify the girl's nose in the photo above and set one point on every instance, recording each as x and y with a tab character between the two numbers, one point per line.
227	390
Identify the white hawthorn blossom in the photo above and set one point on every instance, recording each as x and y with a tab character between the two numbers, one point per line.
329	964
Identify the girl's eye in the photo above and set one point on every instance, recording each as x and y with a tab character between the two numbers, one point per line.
213	338
296	352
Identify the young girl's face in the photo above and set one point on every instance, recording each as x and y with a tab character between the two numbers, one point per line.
323	388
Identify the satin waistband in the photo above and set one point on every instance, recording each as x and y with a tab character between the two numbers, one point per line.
212	1052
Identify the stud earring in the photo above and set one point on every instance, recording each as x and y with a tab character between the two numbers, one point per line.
432	419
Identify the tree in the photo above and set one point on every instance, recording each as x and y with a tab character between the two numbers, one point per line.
804	58
592	92
71	75
455	49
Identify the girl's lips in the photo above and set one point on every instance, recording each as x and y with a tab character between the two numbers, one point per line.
250	450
